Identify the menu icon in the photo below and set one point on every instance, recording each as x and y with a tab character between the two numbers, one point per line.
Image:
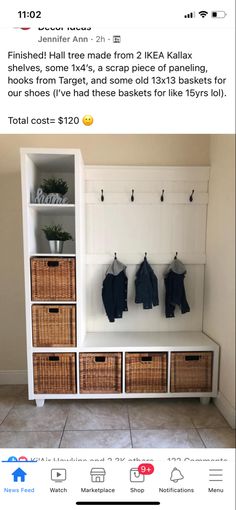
215	475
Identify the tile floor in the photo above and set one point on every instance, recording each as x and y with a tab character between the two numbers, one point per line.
151	423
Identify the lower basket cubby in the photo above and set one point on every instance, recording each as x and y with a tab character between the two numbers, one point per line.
54	373
100	372
54	326
191	371
146	372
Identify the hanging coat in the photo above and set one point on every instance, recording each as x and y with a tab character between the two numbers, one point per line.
146	286
175	291
114	291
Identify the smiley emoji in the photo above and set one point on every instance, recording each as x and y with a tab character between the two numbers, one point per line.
87	120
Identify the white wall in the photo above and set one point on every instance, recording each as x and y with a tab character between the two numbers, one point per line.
219	302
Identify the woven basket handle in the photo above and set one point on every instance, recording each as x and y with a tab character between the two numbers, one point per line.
192	358
146	358
53	263
53	358
100	359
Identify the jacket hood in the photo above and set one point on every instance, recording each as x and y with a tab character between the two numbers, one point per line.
177	267
115	268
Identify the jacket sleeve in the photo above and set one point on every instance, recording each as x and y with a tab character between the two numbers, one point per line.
169	306
184	304
154	283
125	293
108	298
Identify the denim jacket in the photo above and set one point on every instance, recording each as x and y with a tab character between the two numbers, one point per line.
146	286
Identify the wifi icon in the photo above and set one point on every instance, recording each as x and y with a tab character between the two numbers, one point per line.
203	13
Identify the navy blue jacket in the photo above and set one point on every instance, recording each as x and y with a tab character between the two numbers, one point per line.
175	294
114	293
146	286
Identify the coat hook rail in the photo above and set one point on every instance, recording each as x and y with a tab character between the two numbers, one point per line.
162	195
191	196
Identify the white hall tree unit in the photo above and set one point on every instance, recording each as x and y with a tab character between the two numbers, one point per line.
73	351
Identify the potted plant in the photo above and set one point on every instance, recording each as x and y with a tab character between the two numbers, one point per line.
53	185
56	237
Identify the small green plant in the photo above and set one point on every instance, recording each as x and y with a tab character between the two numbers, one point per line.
55	233
53	185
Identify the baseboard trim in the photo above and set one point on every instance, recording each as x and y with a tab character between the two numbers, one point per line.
226	409
13	376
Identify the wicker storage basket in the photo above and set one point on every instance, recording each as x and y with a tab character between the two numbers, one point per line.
54	373
53	279
100	372
53	326
191	371
146	372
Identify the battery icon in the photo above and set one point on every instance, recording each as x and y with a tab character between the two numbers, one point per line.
218	14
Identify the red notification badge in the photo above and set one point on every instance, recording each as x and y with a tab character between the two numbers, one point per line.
145	469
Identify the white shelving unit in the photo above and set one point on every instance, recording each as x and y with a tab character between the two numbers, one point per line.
101	228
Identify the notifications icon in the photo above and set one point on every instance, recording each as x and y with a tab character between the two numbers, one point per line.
176	475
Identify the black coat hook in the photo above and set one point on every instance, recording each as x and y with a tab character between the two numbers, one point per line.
132	196
115	257
176	255
102	196
145	255
162	195
191	196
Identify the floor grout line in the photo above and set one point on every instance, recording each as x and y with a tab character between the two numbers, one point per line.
130	430
12	407
201	438
59	446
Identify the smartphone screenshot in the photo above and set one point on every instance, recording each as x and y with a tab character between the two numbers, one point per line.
117	222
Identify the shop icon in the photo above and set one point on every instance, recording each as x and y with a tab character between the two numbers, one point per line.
97	475
136	476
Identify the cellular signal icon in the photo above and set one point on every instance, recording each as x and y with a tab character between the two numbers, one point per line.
190	15
203	14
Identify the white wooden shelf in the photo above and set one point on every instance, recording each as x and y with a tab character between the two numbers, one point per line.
64	209
38	254
47	302
141	341
129	228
